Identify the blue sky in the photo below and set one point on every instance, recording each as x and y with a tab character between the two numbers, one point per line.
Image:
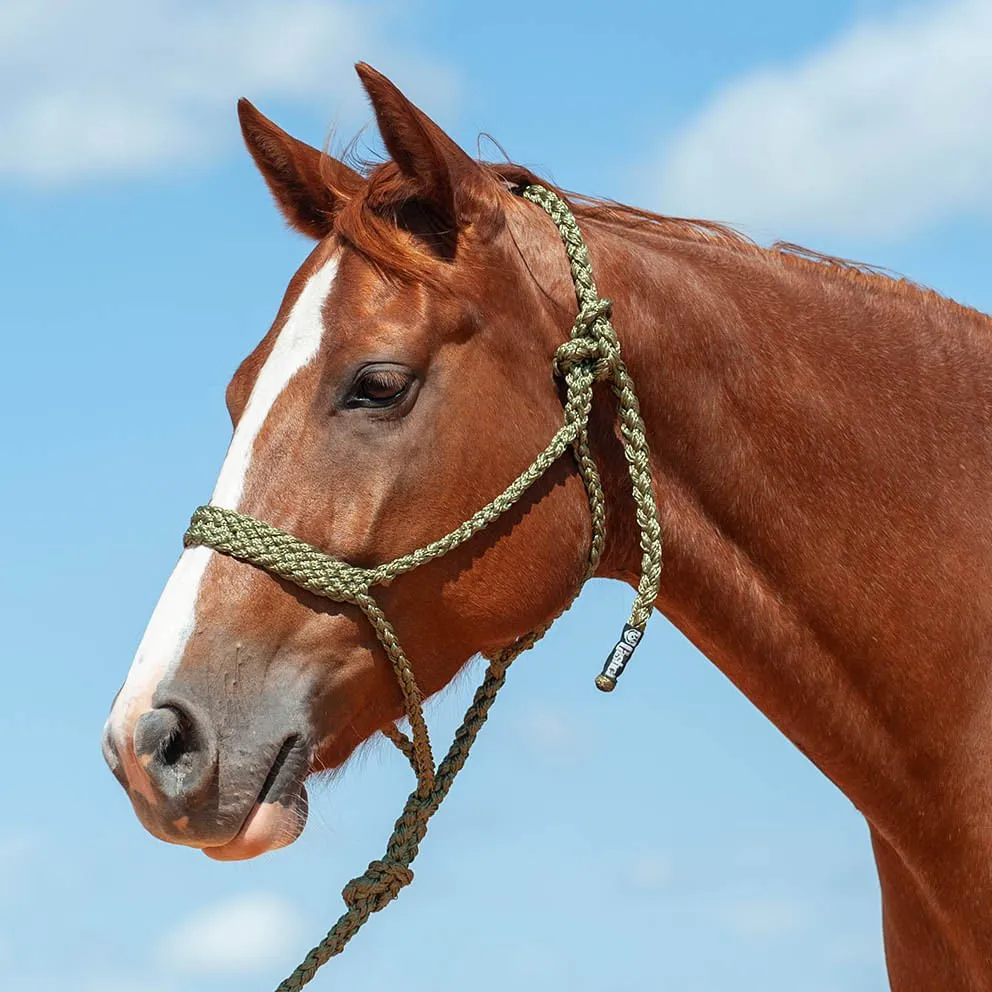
663	837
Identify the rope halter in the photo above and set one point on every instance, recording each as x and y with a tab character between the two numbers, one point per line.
590	355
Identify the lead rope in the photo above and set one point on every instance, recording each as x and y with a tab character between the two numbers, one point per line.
592	354
594	339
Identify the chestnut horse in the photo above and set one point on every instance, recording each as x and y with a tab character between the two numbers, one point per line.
821	442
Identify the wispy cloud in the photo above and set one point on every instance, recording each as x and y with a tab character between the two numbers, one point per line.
240	936
112	87
880	132
761	918
650	873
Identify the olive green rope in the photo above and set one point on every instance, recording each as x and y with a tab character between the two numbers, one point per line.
593	338
591	355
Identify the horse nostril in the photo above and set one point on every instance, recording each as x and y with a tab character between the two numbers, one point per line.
159	733
173	750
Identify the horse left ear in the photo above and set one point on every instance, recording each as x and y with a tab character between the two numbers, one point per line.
308	186
456	186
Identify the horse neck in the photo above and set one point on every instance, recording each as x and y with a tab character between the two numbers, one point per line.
817	449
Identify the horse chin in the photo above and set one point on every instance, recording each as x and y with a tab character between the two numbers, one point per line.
267	827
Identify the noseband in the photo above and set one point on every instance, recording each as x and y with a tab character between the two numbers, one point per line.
591	355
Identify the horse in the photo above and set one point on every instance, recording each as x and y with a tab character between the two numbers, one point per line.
820	454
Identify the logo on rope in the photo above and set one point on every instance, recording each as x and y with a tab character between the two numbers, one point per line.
618	658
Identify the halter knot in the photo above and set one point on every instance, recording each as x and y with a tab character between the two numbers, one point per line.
593	344
589	315
378	886
597	354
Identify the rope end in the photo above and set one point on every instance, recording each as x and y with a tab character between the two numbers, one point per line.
630	637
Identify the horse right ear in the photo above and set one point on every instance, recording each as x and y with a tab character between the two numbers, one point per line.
457	187
309	188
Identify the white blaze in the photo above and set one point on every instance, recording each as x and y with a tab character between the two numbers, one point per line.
161	649
296	345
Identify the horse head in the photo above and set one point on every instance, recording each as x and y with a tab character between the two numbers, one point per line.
406	380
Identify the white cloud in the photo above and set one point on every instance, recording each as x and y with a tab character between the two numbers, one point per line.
242	935
761	918
884	130
649	874
122	88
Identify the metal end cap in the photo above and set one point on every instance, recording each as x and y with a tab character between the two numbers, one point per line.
605	684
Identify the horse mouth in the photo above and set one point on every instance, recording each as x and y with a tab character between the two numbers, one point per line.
279	813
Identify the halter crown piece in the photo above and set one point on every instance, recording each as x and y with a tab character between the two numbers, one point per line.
591	355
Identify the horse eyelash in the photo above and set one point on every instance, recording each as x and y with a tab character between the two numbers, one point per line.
356	401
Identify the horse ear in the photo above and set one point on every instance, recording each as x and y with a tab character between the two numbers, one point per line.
309	187
455	185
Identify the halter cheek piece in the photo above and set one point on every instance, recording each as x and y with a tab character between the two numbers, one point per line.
591	355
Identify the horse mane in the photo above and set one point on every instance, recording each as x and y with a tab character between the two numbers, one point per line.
374	221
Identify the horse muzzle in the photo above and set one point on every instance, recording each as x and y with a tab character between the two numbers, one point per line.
233	790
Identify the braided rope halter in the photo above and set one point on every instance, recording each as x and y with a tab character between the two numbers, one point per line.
591	355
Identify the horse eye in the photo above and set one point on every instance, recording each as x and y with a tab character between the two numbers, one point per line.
379	387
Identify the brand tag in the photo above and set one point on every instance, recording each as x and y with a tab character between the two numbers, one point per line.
618	657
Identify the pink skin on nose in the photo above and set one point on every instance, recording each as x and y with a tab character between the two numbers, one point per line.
269	826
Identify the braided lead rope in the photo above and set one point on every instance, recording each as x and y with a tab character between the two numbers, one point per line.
593	333
594	340
419	752
591	354
384	878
